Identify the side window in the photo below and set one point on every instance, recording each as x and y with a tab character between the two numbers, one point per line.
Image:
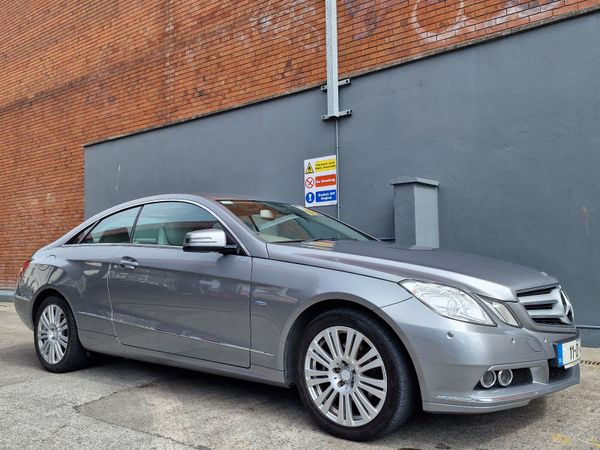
167	223
114	229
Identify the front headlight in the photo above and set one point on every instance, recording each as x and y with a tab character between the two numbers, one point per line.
448	301
502	312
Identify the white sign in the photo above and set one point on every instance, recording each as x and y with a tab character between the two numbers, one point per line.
320	181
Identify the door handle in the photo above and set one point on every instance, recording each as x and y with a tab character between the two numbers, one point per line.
128	263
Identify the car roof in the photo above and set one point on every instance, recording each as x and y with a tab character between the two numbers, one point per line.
216	197
258	248
210	198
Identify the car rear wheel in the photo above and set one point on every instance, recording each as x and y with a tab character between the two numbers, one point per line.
353	376
56	339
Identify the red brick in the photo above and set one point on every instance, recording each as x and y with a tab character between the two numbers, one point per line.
80	71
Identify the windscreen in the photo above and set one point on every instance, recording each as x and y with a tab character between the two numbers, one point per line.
281	222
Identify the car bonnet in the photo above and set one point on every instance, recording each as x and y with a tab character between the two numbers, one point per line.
478	274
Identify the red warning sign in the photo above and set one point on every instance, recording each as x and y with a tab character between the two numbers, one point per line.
309	182
326	180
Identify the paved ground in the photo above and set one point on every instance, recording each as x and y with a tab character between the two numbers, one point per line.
124	404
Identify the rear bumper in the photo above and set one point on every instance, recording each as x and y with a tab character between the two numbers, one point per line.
450	357
23	308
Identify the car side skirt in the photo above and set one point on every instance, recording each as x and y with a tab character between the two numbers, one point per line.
110	345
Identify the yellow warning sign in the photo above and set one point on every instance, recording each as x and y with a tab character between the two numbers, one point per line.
325	164
309	169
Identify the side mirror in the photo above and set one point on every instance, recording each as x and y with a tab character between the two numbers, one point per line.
207	241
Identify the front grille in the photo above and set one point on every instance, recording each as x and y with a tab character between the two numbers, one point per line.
521	376
536	292
549	321
540	306
556	373
547	306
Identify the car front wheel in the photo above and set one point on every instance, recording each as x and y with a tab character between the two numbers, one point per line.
353	376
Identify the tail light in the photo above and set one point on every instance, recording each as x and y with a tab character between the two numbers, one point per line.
24	268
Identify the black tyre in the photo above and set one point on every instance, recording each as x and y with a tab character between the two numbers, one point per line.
353	376
55	337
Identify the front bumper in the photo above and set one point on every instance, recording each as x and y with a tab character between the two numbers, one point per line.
450	357
504	398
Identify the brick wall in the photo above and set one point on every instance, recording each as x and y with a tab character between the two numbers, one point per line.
77	71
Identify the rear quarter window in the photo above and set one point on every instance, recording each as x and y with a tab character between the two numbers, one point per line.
79	236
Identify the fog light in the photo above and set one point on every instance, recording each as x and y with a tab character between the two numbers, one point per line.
488	379
505	377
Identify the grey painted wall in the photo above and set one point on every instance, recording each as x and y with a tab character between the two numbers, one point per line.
510	129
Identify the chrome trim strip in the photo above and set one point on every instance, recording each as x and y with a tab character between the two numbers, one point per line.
195	338
95	316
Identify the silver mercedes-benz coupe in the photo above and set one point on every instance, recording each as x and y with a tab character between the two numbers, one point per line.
282	294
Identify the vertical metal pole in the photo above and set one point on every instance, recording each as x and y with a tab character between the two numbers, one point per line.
337	163
333	106
333	103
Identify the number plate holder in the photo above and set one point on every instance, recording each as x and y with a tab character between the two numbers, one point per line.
568	354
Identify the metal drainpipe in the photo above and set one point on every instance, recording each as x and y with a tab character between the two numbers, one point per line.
337	163
333	82
333	105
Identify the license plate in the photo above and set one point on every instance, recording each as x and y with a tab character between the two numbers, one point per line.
568	354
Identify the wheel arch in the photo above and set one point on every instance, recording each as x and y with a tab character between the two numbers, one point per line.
294	336
42	295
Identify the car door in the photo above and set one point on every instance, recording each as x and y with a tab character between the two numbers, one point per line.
183	303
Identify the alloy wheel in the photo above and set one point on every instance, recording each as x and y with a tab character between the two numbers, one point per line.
52	334
345	376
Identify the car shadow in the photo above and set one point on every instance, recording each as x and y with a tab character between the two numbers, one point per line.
194	391
21	355
445	431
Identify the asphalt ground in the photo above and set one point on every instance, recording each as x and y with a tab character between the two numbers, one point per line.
122	404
